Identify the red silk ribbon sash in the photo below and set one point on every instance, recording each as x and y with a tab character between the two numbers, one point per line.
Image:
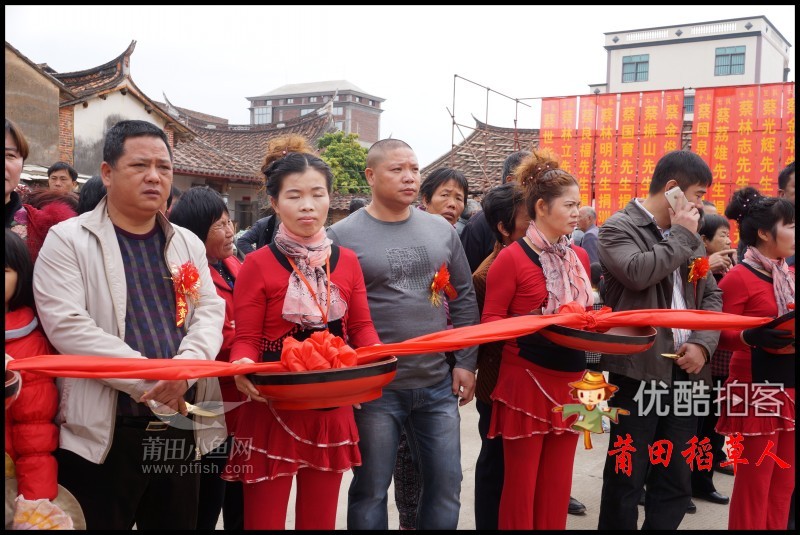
98	367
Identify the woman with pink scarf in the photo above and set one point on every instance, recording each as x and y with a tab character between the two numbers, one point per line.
761	285
538	274
300	284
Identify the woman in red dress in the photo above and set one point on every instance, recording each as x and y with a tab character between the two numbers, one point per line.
301	283
538	274
761	285
204	212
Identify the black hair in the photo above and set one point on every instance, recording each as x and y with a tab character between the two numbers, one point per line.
785	174
511	162
114	145
91	193
200	207
439	177
500	205
755	212
596	273
683	166
18	258
356	203
175	193
58	166
710	224
295	162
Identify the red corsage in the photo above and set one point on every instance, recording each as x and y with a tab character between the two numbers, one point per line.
698	269
441	283
186	280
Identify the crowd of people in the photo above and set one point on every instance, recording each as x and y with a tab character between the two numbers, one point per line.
132	267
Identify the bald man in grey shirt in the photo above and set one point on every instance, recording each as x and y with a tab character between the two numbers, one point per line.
400	250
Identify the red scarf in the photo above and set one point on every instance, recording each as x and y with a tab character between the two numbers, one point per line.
782	279
309	307
565	277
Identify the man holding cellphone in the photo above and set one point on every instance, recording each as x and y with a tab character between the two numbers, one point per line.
645	250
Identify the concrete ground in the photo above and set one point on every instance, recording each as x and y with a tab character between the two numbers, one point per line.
586	486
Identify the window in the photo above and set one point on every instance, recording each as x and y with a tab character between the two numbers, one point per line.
312	99
371	102
358	99
268	103
289	101
338	110
336	98
339	125
729	60
635	68
262	115
688	104
306	111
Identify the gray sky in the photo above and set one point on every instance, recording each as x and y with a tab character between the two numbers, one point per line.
210	59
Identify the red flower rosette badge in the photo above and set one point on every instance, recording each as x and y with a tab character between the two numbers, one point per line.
698	269
441	284
186	280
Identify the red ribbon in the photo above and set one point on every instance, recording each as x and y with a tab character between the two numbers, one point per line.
97	367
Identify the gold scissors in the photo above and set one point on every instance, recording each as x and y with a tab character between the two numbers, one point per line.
672	356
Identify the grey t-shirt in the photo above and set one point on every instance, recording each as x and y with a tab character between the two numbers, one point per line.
399	260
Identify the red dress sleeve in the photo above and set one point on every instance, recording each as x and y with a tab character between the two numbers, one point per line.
250	306
735	296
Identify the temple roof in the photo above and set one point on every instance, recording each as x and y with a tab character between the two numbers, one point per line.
236	152
96	79
481	155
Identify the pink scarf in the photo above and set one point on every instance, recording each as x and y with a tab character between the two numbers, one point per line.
782	279
564	275
310	256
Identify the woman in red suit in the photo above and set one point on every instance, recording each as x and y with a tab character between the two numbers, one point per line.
31	435
538	274
203	211
761	285
300	284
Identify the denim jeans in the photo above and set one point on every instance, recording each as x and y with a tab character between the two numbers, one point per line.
432	423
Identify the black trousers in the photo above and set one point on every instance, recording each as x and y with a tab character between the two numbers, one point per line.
488	472
703	480
217	494
669	488
149	478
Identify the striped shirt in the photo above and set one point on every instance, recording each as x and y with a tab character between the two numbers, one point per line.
150	325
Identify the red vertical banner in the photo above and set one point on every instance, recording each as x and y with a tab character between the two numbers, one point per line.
627	147
549	137
648	145
787	139
743	134
723	149
702	143
670	124
567	116
608	187
768	134
584	156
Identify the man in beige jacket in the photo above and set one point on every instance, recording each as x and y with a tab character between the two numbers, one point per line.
103	286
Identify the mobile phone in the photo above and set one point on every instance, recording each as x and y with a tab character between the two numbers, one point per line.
672	197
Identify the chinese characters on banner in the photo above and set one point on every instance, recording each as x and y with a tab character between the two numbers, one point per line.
767	163
548	138
744	133
584	157
611	190
788	125
627	146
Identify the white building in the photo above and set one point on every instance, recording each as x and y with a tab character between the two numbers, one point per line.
726	52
